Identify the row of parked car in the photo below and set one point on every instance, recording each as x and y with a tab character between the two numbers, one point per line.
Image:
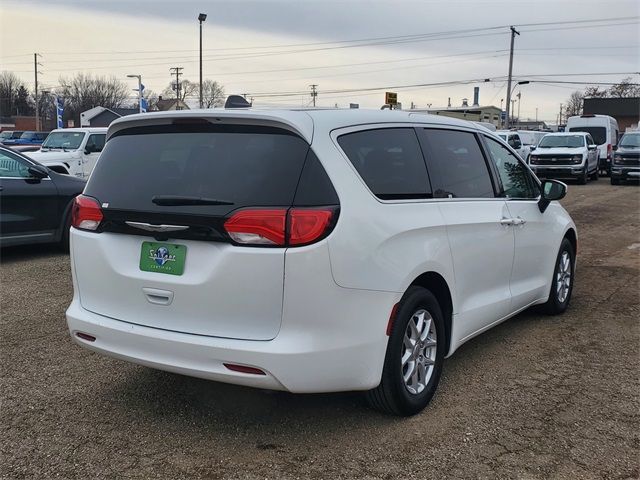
588	147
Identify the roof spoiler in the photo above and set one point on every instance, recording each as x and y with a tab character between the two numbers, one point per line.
236	101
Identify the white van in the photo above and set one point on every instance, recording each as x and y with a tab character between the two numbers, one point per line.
603	129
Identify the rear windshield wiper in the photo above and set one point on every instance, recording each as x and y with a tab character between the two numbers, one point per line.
177	200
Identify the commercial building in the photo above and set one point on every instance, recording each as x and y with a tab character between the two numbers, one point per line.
626	111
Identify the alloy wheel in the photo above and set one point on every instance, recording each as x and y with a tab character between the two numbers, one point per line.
419	351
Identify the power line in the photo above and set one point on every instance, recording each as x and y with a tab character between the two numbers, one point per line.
377	41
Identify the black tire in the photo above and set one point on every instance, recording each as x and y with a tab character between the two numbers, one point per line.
615	181
584	176
64	236
392	395
554	306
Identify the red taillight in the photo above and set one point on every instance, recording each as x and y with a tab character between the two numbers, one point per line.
258	227
392	318
86	336
307	225
244	369
86	213
609	150
269	226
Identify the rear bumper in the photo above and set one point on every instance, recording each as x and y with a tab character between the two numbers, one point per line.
331	338
290	363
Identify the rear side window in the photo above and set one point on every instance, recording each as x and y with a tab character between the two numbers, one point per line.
456	164
389	161
315	188
242	165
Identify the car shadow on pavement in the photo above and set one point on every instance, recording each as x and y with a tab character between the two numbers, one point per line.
155	396
25	253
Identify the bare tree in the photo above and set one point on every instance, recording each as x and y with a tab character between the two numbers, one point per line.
84	91
152	99
212	94
187	89
595	92
625	89
574	104
9	86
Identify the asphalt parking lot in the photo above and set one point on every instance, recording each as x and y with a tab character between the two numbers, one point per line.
536	397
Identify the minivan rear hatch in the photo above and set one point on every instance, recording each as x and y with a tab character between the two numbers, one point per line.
161	256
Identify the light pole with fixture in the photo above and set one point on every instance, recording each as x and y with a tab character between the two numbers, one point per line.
139	77
508	122
201	18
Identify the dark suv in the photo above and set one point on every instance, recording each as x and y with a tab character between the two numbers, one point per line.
626	159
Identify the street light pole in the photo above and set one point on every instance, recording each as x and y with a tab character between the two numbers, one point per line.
509	95
139	77
201	18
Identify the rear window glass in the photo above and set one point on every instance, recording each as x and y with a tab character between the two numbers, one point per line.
389	161
456	164
246	166
599	134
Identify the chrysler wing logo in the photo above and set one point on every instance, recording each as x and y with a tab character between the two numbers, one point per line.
157	228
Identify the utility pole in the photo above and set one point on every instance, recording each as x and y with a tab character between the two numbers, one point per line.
35	70
514	32
314	93
177	71
560	116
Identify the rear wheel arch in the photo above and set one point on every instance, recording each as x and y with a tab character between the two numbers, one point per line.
573	239
436	284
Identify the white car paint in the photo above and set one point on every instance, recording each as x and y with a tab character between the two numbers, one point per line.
337	294
76	162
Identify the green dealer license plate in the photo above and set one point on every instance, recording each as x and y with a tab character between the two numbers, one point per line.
163	258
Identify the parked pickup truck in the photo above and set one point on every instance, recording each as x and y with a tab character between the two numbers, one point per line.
72	151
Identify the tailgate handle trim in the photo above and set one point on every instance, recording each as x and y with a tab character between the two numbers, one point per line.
158	297
149	227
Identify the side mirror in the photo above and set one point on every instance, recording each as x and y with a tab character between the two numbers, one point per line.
551	190
533	147
592	147
615	147
38	171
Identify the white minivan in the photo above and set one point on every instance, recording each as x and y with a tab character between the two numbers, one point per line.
603	129
311	250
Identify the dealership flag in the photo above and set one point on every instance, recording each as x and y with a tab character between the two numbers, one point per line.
59	112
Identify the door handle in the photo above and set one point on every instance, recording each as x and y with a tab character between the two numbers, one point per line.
507	222
519	221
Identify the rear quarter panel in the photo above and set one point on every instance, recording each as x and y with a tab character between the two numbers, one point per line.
380	245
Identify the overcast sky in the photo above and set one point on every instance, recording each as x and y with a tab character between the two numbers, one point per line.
259	47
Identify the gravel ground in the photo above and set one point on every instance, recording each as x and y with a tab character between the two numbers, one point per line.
535	397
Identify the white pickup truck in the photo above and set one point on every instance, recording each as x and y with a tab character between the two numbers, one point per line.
72	151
